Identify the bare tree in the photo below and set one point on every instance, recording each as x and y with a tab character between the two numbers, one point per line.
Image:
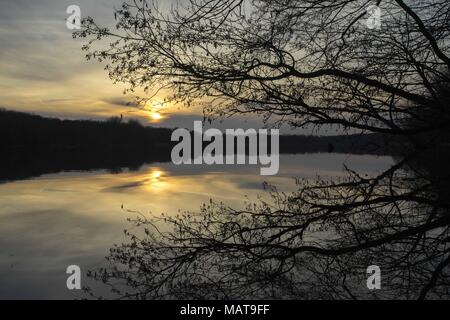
300	62
303	63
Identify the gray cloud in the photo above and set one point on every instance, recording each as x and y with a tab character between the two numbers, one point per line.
42	64
120	101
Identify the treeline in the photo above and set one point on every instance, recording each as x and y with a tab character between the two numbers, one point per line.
27	131
32	145
22	130
353	143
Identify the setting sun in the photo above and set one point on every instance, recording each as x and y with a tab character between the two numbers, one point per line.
156	116
154	107
156	174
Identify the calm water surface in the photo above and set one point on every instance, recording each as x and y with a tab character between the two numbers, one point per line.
56	220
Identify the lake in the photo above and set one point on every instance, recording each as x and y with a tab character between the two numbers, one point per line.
73	218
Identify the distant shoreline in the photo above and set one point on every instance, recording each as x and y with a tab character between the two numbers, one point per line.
24	131
32	145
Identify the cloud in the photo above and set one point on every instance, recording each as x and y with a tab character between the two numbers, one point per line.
44	70
120	101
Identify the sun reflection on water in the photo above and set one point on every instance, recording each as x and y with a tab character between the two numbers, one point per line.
157	179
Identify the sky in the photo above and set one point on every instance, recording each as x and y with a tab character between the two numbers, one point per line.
44	71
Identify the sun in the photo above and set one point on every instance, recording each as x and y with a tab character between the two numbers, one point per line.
154	107
156	116
156	174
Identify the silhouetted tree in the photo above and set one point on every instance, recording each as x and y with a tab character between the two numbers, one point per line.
307	62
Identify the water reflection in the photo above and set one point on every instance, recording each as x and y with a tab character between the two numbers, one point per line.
313	243
50	222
